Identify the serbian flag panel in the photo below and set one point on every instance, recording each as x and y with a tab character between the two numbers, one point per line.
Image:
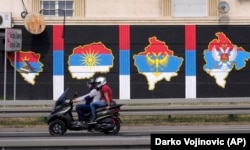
124	62
58	60
190	61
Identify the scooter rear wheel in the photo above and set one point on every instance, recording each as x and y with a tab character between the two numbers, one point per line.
116	128
57	127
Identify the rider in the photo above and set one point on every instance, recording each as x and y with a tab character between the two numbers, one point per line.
106	99
92	96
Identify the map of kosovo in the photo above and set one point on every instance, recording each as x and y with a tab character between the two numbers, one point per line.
157	62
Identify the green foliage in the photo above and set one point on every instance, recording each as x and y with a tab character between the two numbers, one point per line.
185	120
22	122
162	120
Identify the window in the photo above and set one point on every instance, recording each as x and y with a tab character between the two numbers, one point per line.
189	8
57	7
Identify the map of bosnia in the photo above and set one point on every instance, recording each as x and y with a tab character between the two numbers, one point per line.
89	59
27	64
157	62
222	56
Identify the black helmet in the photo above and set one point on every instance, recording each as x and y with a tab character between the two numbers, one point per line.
91	81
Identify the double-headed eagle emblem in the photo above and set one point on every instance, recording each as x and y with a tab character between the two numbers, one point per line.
158	60
224	57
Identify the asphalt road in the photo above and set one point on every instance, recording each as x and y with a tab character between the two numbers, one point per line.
128	137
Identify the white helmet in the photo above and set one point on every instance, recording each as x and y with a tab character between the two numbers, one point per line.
100	81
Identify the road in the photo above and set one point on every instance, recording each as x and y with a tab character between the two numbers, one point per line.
128	138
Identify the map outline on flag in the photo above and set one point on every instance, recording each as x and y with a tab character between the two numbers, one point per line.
89	59
222	56
157	62
27	64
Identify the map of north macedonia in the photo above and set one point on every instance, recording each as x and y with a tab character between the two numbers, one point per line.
89	59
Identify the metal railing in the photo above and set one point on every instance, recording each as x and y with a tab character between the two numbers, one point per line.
201	106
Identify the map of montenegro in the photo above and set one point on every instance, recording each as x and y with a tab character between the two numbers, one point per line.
222	57
157	62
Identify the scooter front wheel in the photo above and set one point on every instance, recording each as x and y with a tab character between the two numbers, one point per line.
57	127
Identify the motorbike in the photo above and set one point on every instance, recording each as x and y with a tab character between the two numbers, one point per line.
61	119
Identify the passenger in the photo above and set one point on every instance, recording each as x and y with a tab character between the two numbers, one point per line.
106	99
92	96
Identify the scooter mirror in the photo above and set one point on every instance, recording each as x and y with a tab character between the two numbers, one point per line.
75	95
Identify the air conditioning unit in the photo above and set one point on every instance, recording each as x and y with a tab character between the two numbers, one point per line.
5	20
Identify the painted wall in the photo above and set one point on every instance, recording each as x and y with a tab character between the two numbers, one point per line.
139	61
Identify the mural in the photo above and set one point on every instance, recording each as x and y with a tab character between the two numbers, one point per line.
222	61
222	56
157	62
27	64
90	51
139	61
158	42
89	59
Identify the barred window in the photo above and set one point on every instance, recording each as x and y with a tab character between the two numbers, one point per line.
57	7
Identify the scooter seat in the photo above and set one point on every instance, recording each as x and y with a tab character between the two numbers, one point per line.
100	108
113	105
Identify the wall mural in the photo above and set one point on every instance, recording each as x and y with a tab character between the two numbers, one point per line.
222	56
89	59
27	64
157	62
139	61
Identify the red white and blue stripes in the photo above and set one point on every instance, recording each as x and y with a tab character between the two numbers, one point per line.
190	61
124	61
58	61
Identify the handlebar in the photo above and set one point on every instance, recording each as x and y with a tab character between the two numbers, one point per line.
74	96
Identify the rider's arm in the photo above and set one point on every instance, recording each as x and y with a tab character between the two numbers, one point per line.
81	98
107	98
84	97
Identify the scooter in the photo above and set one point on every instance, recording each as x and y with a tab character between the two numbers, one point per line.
61	119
